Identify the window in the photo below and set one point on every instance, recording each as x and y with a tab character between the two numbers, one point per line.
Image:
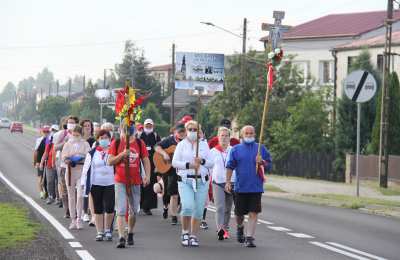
326	72
379	62
350	62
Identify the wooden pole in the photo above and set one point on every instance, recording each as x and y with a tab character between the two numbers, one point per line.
127	146
263	121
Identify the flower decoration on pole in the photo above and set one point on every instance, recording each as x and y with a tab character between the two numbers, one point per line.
128	105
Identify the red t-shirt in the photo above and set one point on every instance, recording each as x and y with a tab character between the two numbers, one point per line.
214	141
49	151
134	162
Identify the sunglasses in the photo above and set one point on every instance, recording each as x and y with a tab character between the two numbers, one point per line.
192	129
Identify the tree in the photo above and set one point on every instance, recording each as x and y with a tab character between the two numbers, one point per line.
52	109
305	130
45	80
8	93
135	65
394	119
246	104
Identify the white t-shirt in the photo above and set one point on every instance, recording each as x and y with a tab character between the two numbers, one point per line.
219	169
38	141
101	173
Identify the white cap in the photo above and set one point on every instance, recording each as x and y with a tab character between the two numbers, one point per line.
55	127
148	121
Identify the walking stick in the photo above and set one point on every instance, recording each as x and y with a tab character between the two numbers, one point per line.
196	171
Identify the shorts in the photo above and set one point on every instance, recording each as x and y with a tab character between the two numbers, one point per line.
247	202
121	199
40	172
171	183
103	199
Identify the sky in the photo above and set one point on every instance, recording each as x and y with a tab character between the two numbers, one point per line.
84	37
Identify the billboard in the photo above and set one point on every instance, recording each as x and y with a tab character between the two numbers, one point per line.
205	70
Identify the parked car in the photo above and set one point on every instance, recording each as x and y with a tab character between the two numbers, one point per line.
16	127
5	123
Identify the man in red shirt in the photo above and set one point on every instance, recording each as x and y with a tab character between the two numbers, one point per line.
137	154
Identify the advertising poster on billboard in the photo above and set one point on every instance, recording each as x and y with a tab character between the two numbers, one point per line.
204	70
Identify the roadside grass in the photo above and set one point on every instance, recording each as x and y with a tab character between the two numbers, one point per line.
15	226
346	201
392	190
272	188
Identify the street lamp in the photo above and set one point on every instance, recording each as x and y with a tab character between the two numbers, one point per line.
103	96
223	29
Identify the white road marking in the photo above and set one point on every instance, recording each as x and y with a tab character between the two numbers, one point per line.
279	229
265	222
85	255
75	244
334	249
300	235
60	228
356	251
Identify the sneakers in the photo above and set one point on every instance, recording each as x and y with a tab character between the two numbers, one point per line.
240	234
221	234
193	241
249	242
203	225
147	212
49	201
99	236
174	220
42	195
79	224
108	235
130	239
121	242
91	224
165	213
86	218
226	234
185	240
73	224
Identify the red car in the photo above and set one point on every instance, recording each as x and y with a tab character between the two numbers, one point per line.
16	127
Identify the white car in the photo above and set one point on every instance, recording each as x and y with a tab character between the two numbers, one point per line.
5	123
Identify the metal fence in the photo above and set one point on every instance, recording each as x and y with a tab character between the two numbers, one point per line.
307	165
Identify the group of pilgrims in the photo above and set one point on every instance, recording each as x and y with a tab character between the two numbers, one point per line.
98	180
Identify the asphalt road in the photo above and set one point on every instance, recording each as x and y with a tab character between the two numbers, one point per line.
287	230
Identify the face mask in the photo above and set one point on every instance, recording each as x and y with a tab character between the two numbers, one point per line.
148	130
249	140
70	126
104	143
75	139
139	132
192	136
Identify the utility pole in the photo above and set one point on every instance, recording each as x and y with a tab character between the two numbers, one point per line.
384	127
57	87
104	81
243	63
173	87
84	83
49	89
69	89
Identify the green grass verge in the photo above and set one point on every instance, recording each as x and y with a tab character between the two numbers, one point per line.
15	226
392	190
272	188
347	201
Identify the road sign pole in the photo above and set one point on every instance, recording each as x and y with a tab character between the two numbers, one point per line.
358	148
